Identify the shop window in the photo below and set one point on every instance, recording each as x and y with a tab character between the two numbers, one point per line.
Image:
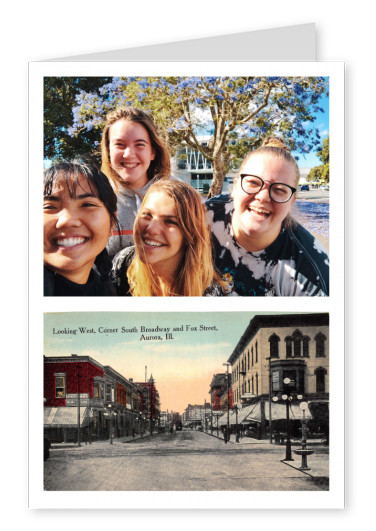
60	387
320	345
274	345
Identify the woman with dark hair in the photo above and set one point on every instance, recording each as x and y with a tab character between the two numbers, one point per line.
134	157
172	254
259	248
79	212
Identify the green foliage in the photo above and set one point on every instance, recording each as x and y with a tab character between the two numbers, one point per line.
59	99
236	111
315	174
321	172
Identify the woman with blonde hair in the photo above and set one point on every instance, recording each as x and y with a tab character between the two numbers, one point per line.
134	156
172	254
259	247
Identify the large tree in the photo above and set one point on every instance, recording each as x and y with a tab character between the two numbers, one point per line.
59	98
237	112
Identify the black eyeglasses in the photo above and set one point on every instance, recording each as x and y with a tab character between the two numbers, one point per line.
279	192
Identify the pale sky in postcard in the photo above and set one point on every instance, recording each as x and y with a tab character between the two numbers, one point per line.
182	367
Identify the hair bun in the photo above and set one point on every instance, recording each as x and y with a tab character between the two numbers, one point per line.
273	141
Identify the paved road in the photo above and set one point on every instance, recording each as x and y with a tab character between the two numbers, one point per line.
316	196
187	460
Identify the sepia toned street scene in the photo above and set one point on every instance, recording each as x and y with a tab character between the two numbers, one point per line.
186	401
189	459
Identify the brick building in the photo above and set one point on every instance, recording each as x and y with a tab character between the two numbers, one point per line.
80	392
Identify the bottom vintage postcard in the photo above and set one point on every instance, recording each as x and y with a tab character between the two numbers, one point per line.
205	403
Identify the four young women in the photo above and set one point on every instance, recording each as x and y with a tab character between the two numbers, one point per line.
160	233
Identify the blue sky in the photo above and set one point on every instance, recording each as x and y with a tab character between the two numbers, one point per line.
310	160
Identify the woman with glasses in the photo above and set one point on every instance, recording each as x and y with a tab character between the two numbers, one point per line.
259	248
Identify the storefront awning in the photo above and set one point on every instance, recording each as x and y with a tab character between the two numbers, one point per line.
65	417
278	412
242	415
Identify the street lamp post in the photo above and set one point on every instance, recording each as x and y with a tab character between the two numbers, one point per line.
217	415
227	437
236	409
270	402
287	398
109	406
241	373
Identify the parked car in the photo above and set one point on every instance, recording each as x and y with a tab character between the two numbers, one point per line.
325	187
304	187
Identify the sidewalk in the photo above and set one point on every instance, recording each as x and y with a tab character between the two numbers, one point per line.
318	462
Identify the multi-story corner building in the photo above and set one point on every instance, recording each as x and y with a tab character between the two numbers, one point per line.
276	349
84	399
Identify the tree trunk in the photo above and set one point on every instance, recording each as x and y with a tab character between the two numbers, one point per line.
220	168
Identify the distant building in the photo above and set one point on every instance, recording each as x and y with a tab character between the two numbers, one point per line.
151	400
197	414
189	165
221	392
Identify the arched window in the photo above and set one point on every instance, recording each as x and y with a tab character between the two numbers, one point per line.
297	338
288	341
274	345
320	345
320	374
252	357
306	340
256	383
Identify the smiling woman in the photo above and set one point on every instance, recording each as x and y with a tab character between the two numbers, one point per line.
79	211
172	253
259	248
134	157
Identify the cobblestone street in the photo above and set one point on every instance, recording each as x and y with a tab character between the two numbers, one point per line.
187	460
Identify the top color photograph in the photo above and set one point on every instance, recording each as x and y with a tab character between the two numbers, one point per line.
186	186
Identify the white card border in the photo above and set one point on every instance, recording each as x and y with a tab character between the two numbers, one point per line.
334	498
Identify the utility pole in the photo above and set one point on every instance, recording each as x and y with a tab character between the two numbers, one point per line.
78	406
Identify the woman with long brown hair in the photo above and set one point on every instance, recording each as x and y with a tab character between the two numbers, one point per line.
172	254
134	156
